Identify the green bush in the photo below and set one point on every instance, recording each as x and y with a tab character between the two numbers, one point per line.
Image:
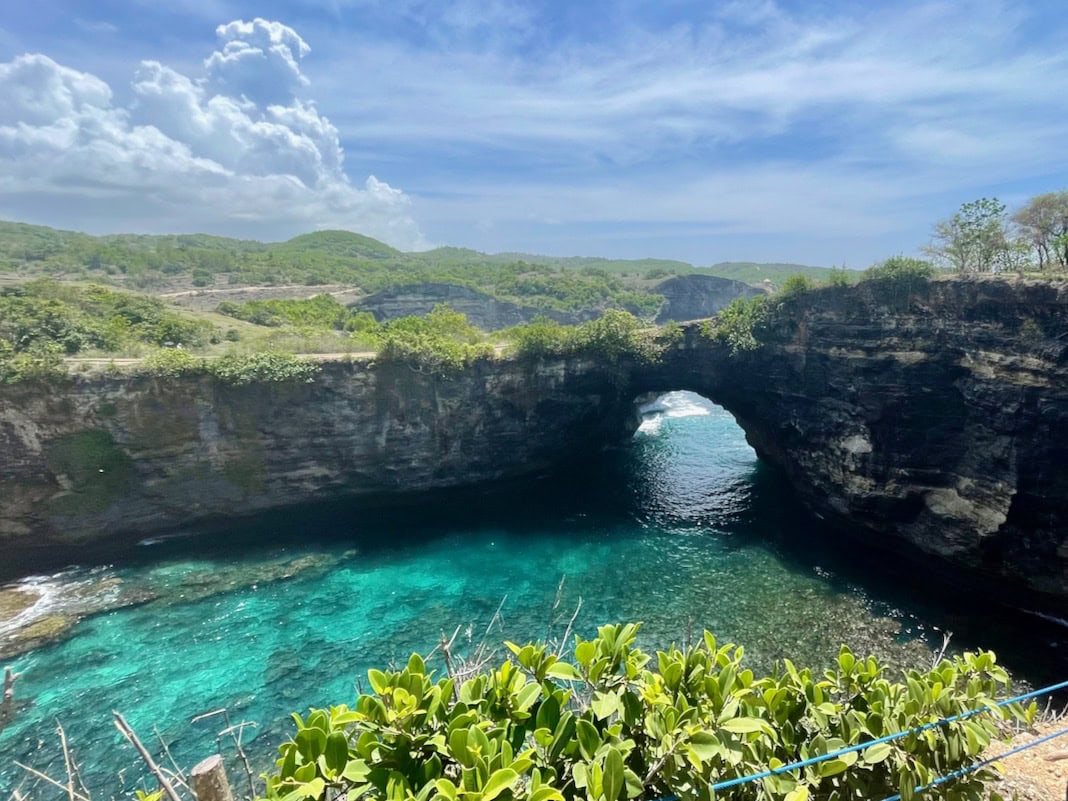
263	367
739	324
322	311
541	338
795	285
842	276
903	269
612	337
171	362
42	362
442	342
75	318
615	723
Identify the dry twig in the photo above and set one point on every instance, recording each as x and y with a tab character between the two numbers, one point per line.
129	734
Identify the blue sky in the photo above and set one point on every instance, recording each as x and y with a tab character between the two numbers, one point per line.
815	132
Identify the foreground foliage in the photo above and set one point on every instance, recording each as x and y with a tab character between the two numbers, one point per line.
615	723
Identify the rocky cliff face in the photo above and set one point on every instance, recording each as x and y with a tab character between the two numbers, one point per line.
932	420
484	311
108	456
935	419
694	297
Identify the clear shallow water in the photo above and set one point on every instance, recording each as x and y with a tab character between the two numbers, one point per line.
681	529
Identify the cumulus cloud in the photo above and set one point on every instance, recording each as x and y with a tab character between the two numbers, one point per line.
235	151
259	60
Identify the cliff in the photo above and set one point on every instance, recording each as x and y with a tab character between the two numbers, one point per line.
484	311
104	456
694	297
931	420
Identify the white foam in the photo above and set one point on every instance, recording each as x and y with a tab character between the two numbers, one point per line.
58	594
672	404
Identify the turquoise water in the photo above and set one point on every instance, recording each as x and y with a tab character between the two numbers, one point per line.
682	529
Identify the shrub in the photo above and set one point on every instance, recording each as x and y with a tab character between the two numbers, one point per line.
615	723
442	342
903	269
841	276
171	362
42	362
795	285
263	367
612	337
541	337
739	324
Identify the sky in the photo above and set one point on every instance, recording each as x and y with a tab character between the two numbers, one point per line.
806	131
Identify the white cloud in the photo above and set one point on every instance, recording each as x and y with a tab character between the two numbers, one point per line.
237	150
259	60
800	120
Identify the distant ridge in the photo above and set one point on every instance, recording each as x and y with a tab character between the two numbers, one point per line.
42	249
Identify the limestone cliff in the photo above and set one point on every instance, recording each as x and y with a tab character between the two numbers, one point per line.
693	297
931	419
482	310
106	456
934	418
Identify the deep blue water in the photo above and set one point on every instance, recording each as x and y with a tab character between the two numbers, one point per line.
682	529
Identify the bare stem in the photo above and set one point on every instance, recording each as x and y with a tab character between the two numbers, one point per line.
129	734
7	702
50	780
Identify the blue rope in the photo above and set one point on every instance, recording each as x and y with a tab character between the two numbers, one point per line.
972	768
804	763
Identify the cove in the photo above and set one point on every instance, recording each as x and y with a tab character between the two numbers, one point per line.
681	527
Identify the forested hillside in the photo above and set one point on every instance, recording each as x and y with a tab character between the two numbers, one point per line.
175	262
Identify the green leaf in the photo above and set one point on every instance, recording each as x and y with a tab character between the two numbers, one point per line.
797	794
613	775
832	767
311	742
565	671
446	788
500	781
877	753
546	794
378	680
356	771
746	725
589	739
604	705
584	652
336	751
706	745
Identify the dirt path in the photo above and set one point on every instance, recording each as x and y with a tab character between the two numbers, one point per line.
328	289
94	361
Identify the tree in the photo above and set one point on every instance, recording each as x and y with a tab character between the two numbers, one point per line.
975	239
1044	225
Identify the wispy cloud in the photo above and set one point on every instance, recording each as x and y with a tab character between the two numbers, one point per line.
843	129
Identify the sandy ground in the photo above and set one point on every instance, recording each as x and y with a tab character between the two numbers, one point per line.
1034	775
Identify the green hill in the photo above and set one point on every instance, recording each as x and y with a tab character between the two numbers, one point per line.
181	262
344	244
756	273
